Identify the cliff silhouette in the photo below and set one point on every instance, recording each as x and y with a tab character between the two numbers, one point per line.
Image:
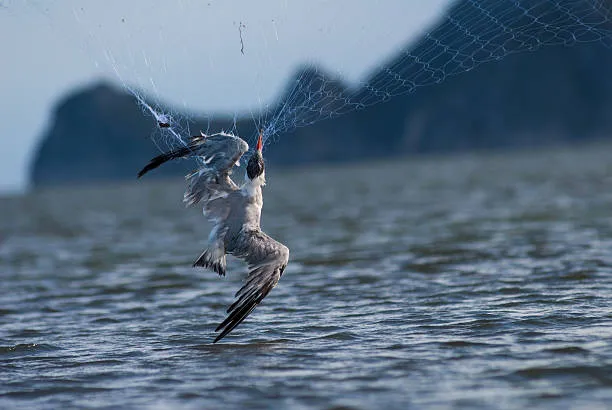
535	95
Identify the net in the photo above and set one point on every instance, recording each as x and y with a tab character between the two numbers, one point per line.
470	33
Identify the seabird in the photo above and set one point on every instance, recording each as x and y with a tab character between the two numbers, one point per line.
235	213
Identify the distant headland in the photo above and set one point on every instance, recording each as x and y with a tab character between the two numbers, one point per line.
555	94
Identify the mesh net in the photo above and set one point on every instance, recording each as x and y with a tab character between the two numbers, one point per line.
470	33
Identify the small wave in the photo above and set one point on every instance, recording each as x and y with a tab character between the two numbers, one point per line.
463	343
44	392
27	348
341	335
27	333
568	350
251	346
105	320
601	374
578	275
342	407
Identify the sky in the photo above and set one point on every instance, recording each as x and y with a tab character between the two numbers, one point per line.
203	56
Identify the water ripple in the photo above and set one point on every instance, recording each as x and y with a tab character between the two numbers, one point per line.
476	283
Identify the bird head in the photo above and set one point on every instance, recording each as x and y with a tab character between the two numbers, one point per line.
256	166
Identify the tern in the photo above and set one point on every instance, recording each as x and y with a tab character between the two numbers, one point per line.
235	213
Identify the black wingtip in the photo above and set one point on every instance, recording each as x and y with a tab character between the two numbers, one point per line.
161	159
154	163
165	157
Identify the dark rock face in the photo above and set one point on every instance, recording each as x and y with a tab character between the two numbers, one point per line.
556	94
498	79
542	95
101	134
97	134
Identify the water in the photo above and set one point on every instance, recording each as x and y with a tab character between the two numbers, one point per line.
470	282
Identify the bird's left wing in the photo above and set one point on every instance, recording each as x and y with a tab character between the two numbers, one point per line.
267	260
219	153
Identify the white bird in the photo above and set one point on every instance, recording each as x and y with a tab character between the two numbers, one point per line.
235	213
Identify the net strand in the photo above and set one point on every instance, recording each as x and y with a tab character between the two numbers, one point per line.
471	33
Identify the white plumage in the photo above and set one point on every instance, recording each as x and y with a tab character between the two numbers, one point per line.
235	213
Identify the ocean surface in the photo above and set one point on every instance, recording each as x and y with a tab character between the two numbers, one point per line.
462	282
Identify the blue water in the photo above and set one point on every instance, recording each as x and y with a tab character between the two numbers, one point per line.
470	282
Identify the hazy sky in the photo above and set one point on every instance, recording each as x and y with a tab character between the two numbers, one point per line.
187	53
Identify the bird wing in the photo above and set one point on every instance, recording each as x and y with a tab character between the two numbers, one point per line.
211	183
267	260
219	152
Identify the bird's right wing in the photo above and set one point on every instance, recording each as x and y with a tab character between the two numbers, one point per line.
267	260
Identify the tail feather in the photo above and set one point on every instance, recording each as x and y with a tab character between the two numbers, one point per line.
213	259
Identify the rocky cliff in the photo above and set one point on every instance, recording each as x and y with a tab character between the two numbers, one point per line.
476	100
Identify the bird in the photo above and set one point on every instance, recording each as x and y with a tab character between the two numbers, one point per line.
235	212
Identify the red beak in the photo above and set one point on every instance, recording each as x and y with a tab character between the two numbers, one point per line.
260	142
